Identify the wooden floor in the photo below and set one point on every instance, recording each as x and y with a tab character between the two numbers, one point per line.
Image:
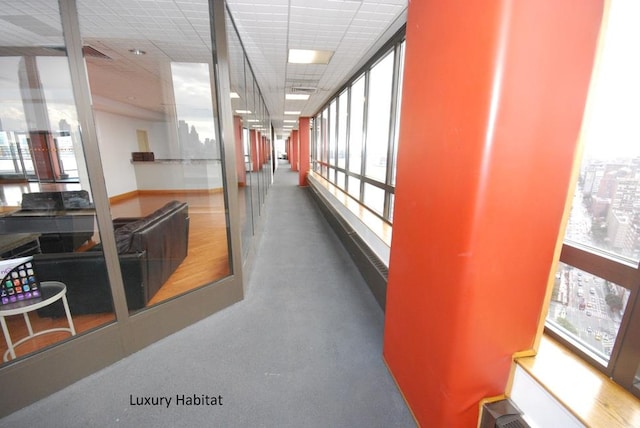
207	261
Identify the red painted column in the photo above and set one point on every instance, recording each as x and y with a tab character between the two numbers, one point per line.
493	99
255	150
237	129
303	147
294	150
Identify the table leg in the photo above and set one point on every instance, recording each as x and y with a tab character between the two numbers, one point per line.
68	313
27	321
7	338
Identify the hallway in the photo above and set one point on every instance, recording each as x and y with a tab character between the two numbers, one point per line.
303	349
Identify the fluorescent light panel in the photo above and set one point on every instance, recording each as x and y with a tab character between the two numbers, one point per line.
243	111
298	97
309	56
290	121
234	95
293	113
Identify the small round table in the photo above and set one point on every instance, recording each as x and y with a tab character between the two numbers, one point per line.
52	291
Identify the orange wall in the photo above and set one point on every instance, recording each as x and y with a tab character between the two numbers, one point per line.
492	105
293	155
237	129
255	150
303	150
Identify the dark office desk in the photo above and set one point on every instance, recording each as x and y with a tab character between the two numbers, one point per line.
47	221
19	245
59	230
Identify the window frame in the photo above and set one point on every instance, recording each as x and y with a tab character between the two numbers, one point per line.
321	165
624	361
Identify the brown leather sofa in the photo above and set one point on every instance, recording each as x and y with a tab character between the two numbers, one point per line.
150	249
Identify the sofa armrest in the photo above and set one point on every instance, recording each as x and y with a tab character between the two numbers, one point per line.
88	287
121	221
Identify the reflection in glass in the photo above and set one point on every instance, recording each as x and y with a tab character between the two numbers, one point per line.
378	114
587	309
46	201
156	128
194	111
240	96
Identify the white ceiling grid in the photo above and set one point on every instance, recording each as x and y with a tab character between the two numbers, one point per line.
269	28
178	30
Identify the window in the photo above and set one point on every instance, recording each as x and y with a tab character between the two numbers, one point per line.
378	118
356	132
594	307
343	108
355	126
397	123
316	142
374	198
332	133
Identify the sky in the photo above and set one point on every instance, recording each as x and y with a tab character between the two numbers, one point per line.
612	121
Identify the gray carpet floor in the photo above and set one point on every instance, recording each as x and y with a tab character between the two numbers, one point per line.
303	349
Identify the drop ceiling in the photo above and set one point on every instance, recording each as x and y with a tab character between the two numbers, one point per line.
178	30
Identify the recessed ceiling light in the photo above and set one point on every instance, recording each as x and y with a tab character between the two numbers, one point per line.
243	111
308	56
137	51
234	95
287	127
293	113
290	121
300	97
253	120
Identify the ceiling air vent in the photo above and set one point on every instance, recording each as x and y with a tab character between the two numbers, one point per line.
89	51
303	86
302	90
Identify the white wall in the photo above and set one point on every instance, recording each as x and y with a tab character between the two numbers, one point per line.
117	138
540	408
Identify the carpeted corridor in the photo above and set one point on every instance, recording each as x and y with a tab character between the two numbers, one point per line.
303	349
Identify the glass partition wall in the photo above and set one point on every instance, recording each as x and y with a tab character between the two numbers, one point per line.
252	130
48	217
129	222
154	112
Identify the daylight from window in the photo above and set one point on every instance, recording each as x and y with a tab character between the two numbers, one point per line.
590	309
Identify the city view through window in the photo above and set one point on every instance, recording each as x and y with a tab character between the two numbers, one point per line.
605	217
589	308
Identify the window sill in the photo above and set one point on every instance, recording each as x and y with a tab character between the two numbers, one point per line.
588	394
380	228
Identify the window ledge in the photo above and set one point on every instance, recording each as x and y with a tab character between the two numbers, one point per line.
379	227
588	394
